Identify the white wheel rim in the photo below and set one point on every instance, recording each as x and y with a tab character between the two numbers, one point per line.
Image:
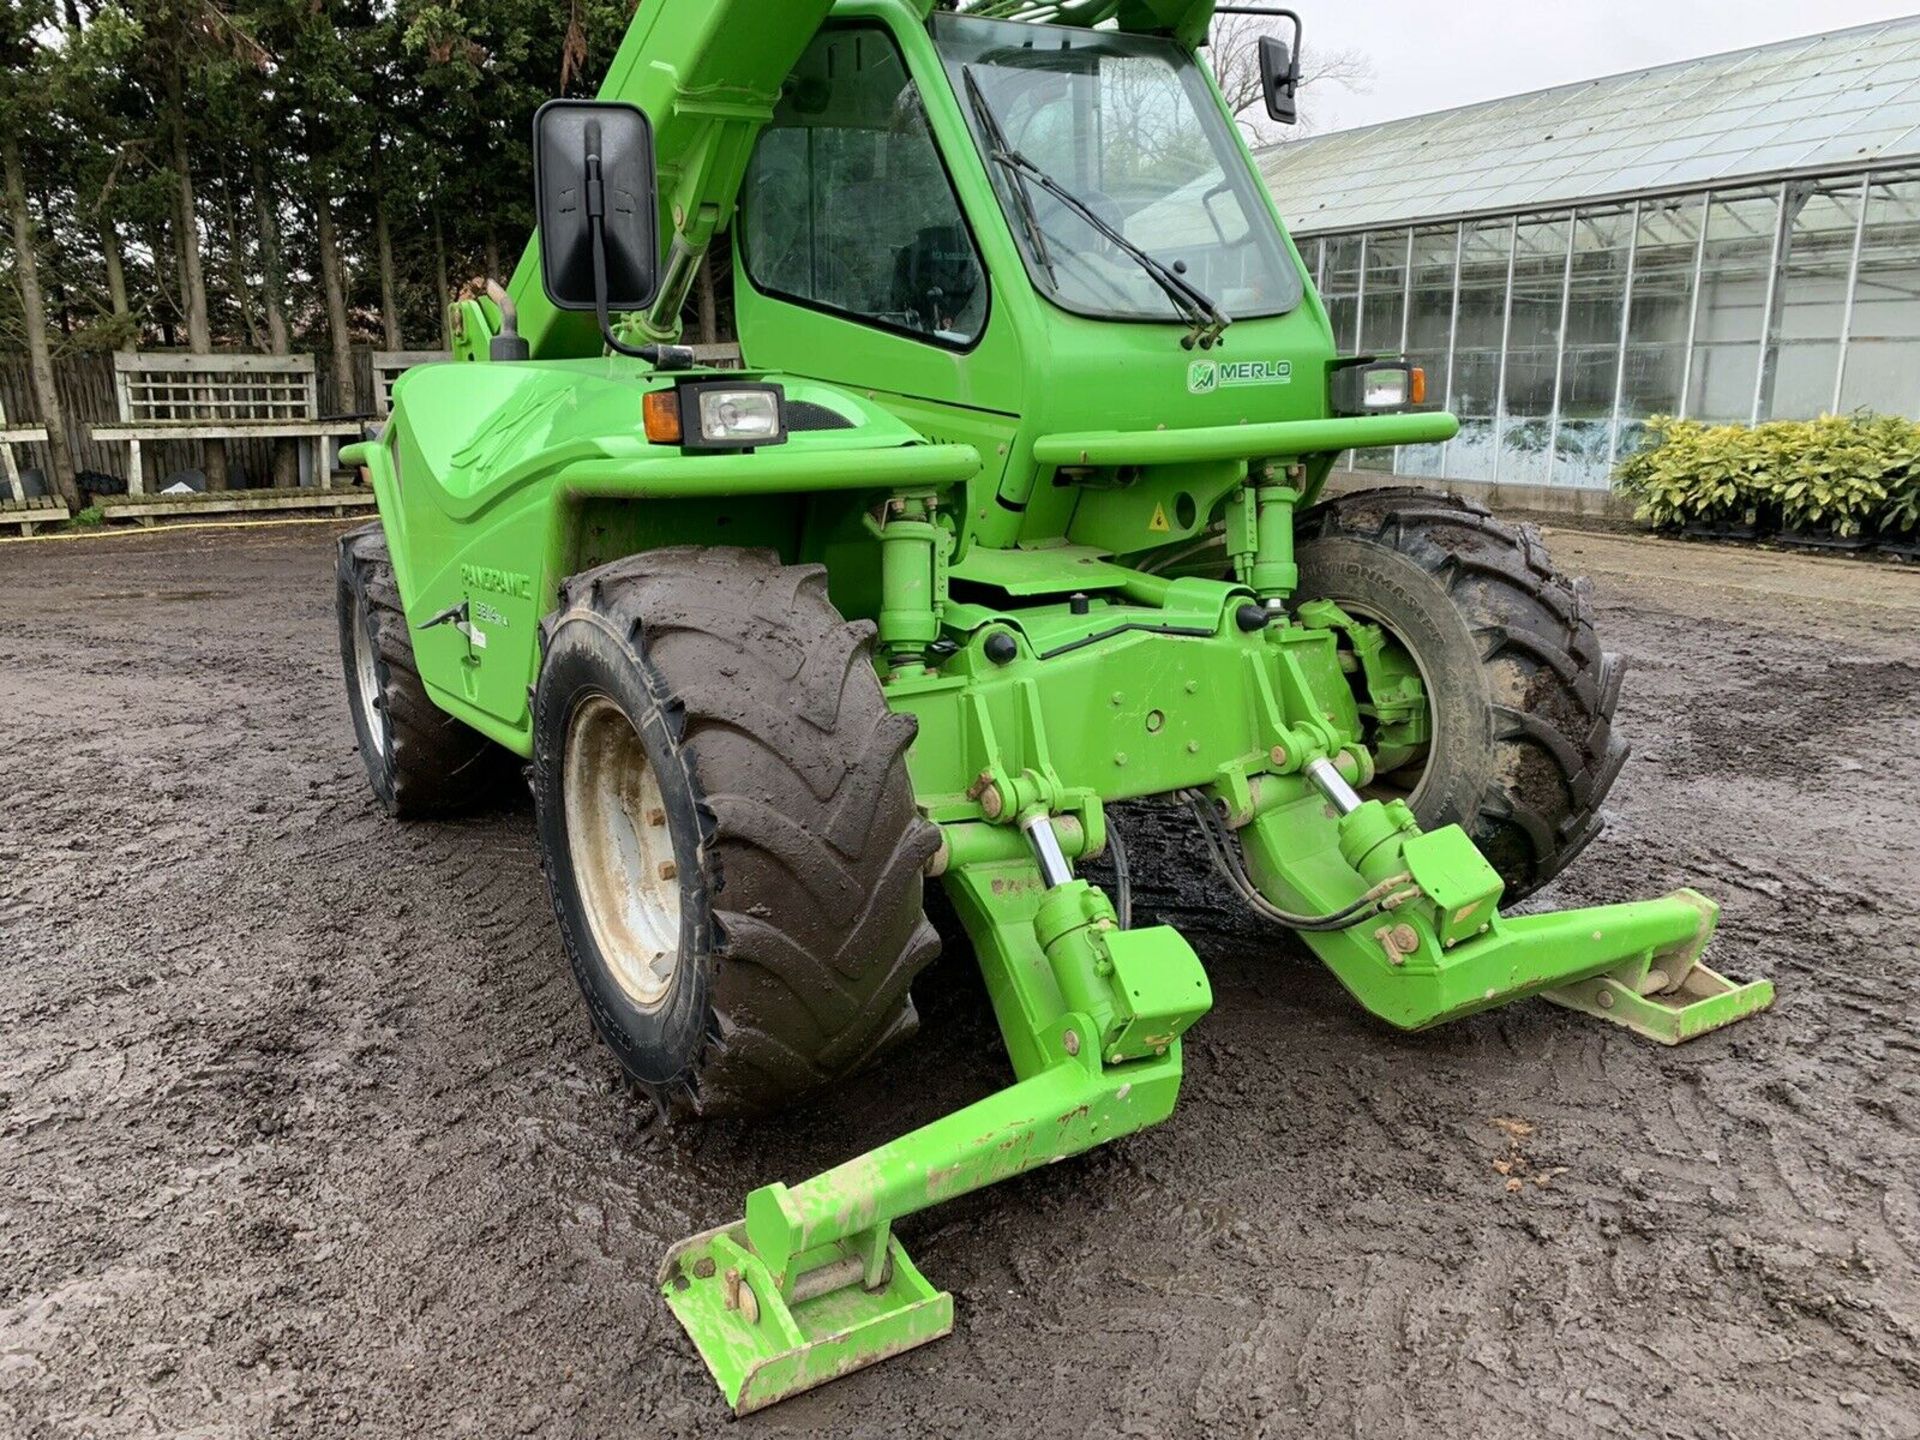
1417	791
621	850
366	677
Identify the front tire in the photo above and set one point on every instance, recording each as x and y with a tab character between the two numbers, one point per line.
419	760
1521	696
727	827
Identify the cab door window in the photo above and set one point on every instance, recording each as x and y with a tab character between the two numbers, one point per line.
847	206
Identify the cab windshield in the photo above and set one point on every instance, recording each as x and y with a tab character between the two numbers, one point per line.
1129	127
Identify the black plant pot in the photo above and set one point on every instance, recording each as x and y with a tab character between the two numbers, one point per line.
1749	525
1822	538
1899	547
1722	530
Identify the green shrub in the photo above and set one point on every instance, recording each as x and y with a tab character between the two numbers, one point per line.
1901	514
1850	473
89	518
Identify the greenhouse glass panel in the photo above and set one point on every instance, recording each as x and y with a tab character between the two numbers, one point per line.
1341	289
1386	293
1429	331
1811	308
1881	377
1382	313
1669	234
1596	293
1533	350
1883	346
1817	259
1803	379
1735	270
1485	253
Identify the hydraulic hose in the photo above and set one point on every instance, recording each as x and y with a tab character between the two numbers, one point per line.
1226	858
1122	878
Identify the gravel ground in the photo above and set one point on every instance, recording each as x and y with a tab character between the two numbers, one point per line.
302	1129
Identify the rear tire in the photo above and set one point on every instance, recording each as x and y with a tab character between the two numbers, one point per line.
419	760
1523	750
728	829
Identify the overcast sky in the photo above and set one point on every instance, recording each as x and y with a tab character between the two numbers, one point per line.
1430	56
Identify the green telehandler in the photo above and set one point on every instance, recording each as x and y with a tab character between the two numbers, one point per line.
1018	510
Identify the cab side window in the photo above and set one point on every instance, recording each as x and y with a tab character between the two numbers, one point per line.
846	204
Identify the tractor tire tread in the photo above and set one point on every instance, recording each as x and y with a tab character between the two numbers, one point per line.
1555	689
438	765
814	850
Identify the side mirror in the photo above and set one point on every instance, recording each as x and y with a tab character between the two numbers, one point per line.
1280	72
597	205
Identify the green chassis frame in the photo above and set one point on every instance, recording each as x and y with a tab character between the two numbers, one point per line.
498	481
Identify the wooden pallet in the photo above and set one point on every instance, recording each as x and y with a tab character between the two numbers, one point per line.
148	508
14	496
31	514
162	397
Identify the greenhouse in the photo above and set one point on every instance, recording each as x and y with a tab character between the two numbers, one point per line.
1734	238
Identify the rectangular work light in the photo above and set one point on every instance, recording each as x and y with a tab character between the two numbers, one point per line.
718	415
1371	387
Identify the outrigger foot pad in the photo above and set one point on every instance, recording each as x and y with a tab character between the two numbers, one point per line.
1668	996
856	1302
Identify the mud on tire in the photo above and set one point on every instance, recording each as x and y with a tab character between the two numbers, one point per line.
1524	750
797	851
420	761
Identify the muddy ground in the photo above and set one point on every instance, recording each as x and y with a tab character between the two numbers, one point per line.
302	1130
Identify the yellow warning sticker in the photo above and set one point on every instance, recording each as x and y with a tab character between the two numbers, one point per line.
1158	523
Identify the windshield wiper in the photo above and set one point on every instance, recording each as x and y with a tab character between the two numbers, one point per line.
998	145
1196	307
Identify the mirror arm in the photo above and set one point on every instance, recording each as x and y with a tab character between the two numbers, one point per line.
509	344
661	357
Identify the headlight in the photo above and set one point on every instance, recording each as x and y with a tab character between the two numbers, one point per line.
1385	389
719	415
741	416
1368	387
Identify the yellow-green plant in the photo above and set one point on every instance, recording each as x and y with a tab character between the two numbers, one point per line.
1685	471
1848	473
1901	515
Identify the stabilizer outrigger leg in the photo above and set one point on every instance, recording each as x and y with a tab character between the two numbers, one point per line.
1448	952
812	1284
1668	995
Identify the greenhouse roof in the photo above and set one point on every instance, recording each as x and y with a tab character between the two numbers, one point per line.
1843	100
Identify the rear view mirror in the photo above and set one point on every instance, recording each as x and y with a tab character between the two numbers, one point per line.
597	205
1280	72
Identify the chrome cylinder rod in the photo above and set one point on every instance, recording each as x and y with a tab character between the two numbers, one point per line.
1046	849
1332	784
